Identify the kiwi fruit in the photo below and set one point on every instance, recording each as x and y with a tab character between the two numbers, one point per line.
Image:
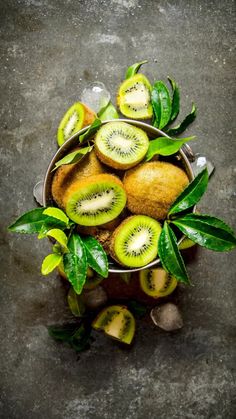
67	174
157	282
75	118
121	145
95	200
152	187
134	98
186	243
116	321
134	242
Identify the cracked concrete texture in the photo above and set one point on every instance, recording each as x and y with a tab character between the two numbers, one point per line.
49	52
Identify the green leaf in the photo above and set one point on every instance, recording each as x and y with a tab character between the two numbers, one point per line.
59	236
75	303
165	146
161	103
77	335
56	213
191	194
97	257
139	310
75	263
186	122
33	222
108	113
126	277
170	256
207	231
175	105
73	157
75	271
50	262
91	130
133	69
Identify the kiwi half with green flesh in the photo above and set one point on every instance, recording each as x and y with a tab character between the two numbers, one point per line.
121	145
67	174
157	282
116	321
186	244
152	187
134	99
95	200
134	242
75	118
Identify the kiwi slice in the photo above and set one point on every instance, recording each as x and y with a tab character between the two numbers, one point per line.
121	145
117	322
134	99
71	122
186	244
95	200
134	242
157	282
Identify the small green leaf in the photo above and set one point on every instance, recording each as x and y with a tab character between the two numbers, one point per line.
75	270
133	69
75	303
126	277
165	146
50	262
175	105
184	124
97	257
191	194
92	129
161	103
108	113
170	256
139	310
56	213
73	157
59	236
207	231
33	222
77	335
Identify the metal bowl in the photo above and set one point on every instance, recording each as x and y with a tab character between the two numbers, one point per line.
152	132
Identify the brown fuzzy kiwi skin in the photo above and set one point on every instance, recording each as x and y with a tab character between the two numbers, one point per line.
69	173
89	115
152	187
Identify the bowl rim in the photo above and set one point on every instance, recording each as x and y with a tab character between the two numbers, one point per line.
47	200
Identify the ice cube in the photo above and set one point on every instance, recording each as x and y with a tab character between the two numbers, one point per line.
95	96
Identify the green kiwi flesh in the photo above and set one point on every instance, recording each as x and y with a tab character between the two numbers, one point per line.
117	322
134	99
186	244
121	145
134	242
95	200
71	122
157	282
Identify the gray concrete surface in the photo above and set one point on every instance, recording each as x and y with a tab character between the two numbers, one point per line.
49	51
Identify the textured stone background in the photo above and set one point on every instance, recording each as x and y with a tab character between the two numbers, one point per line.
49	51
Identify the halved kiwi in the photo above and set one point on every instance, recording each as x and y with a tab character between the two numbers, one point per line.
67	174
95	200
134	242
157	282
134	99
117	322
121	145
76	117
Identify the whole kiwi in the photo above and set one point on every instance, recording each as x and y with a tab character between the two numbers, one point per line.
152	187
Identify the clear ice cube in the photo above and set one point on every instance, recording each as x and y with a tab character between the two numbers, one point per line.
95	96
200	163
